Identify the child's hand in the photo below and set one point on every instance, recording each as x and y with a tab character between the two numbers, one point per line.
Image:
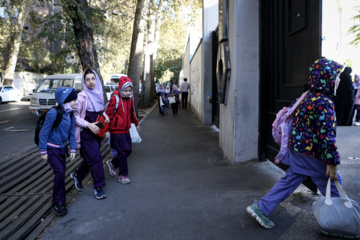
138	128
106	135
44	157
92	126
72	156
107	119
331	171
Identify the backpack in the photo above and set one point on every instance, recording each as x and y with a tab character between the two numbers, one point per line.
40	123
281	128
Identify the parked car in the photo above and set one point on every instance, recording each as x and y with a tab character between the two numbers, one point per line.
109	89
9	94
44	95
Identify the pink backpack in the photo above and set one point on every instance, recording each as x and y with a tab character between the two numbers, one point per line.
281	128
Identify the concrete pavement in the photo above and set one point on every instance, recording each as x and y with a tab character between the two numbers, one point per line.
184	188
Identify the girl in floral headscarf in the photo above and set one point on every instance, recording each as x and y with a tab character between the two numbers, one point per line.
312	149
357	99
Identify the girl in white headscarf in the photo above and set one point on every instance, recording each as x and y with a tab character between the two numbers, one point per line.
89	105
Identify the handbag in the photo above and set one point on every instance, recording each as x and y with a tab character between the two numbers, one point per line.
337	217
134	134
104	127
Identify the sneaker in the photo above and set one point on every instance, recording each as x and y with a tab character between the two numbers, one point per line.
256	213
99	193
124	179
78	184
357	123
112	169
64	204
59	209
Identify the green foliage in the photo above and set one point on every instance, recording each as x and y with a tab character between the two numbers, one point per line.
178	18
355	29
111	23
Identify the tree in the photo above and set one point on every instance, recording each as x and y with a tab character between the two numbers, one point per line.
24	10
178	18
134	71
153	35
79	12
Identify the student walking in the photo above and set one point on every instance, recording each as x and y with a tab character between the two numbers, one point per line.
89	105
312	144
174	102
357	100
52	143
184	89
120	123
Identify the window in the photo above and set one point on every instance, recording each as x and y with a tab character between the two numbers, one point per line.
6	89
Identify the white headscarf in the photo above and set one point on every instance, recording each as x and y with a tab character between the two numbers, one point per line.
95	96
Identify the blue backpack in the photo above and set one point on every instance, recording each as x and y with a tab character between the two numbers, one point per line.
40	123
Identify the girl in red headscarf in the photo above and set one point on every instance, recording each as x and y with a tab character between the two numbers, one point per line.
121	118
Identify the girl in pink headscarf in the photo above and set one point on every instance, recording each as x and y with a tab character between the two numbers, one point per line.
357	99
89	105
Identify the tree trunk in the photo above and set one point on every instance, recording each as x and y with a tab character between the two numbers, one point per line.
16	41
156	46
79	13
149	57
134	71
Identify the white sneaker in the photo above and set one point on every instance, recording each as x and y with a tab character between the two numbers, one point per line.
112	169
124	179
357	123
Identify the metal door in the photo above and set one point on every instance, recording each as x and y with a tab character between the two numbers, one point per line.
290	42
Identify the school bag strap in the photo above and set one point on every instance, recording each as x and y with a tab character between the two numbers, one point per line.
41	121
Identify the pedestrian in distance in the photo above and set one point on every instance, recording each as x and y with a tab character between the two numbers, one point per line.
89	106
174	100
160	91
344	99
312	143
52	144
184	89
167	91
357	99
120	123
164	103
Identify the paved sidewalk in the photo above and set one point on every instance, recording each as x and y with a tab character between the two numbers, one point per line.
183	188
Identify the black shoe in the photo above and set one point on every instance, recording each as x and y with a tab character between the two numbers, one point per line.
99	193
59	209
64	204
78	184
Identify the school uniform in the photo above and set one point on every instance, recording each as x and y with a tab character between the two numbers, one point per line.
89	106
120	123
53	141
312	144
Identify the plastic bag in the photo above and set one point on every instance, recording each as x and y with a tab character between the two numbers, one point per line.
135	136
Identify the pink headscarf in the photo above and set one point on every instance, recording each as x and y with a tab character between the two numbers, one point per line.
95	96
357	83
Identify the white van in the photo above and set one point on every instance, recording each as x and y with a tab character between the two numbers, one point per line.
43	97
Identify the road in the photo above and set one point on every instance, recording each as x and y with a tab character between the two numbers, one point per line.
16	128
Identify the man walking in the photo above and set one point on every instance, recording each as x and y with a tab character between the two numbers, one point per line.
184	88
